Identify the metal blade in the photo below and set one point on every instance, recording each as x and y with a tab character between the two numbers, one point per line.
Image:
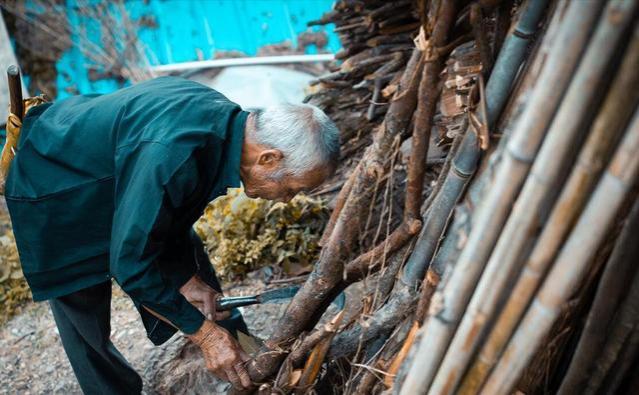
278	295
284	294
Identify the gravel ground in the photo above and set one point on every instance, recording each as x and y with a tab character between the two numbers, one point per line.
33	360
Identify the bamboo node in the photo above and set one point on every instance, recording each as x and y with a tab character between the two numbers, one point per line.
436	304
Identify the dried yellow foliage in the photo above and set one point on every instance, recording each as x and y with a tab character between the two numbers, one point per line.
13	287
243	234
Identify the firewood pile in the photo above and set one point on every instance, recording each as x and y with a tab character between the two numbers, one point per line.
377	44
515	268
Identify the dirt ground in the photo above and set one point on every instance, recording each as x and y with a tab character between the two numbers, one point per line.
33	360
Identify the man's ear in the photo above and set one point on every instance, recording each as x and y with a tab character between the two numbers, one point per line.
270	158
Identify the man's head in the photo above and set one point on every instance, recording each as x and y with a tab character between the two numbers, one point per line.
288	149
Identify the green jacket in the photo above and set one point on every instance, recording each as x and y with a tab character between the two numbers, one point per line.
101	184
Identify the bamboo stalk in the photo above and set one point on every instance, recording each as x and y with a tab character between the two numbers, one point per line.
456	234
626	320
492	213
464	162
327	274
615	112
500	87
623	367
612	285
572	263
554	156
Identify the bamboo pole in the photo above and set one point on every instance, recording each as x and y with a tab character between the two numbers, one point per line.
609	124
521	149
464	163
554	156
572	263
454	238
626	320
462	167
618	270
623	367
303	310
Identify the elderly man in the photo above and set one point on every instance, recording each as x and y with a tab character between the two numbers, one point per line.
109	186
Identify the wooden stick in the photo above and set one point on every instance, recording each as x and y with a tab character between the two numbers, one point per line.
14	122
427	100
15	91
623	367
328	271
370	260
401	355
572	263
382	361
595	353
481	41
344	193
465	160
400	305
612	118
554	156
439	327
442	22
315	360
309	342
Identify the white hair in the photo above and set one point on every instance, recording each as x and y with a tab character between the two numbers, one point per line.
305	135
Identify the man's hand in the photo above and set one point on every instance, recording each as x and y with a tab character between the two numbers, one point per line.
223	355
200	295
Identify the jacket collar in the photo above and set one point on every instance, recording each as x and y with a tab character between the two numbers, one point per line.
230	170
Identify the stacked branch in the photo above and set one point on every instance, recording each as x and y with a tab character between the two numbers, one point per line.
436	264
377	39
412	112
497	252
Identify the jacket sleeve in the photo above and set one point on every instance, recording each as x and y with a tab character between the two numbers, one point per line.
151	180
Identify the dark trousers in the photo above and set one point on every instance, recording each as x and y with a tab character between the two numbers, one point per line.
83	320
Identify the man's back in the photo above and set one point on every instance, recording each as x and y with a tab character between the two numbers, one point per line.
77	157
73	142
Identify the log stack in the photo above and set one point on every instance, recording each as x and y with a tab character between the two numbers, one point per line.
513	269
377	39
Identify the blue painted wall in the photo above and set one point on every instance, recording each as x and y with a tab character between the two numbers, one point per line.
185	27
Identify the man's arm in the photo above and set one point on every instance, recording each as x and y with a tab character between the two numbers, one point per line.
148	179
141	225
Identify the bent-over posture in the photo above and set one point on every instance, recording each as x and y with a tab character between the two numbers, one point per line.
109	186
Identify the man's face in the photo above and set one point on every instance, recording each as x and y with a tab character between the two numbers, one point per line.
262	182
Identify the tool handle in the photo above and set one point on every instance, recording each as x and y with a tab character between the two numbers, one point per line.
15	90
231	302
